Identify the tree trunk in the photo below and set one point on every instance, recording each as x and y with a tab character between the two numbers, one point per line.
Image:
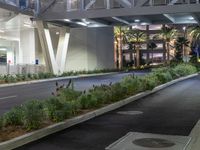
168	53
138	56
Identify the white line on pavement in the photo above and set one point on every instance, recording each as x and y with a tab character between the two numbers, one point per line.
2	98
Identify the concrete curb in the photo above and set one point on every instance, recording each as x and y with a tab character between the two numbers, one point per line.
36	135
55	79
195	135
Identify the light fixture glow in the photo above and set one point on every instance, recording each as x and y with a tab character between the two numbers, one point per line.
137	20
81	23
86	21
190	18
1	31
3	49
57	33
67	20
144	23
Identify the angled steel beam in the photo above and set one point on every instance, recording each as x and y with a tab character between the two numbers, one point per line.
140	3
121	20
50	4
197	19
173	2
90	4
125	3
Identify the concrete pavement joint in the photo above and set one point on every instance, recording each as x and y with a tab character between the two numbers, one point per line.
195	134
36	135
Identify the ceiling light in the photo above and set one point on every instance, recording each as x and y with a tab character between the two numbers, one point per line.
137	20
67	20
190	18
3	49
81	23
144	23
85	21
57	33
1	31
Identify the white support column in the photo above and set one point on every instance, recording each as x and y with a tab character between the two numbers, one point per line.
62	48
47	48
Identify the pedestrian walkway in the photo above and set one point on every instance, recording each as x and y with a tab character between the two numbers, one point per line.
172	111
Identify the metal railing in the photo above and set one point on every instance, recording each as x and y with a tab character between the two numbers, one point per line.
74	5
24	5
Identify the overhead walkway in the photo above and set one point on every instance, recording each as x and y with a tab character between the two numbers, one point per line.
128	12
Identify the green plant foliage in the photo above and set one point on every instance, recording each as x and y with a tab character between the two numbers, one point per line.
33	114
118	92
14	117
58	111
67	102
68	94
1	122
132	84
184	69
150	82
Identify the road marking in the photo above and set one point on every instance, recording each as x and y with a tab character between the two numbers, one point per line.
2	98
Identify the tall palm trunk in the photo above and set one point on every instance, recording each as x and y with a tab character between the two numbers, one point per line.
168	52
137	56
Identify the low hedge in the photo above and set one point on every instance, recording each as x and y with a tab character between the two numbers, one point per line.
66	102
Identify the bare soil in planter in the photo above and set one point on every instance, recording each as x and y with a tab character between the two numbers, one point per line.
11	132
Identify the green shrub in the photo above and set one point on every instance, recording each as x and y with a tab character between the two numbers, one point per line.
33	114
118	92
163	77
184	69
68	94
1	122
150	82
14	117
132	84
58	111
87	101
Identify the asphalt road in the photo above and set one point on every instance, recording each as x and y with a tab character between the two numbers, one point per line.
16	95
174	110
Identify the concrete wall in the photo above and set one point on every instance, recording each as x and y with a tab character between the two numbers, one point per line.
27	46
90	48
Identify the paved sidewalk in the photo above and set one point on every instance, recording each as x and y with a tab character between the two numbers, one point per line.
172	111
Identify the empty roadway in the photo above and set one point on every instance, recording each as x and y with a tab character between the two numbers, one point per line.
16	95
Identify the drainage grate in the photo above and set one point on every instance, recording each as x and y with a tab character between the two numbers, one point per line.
147	141
130	112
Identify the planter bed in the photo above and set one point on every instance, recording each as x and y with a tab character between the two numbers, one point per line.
89	106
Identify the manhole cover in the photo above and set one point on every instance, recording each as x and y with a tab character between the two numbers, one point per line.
153	143
130	112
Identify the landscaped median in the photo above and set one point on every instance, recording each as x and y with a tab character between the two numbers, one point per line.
68	107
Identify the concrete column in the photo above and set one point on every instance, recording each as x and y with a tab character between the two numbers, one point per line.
63	43
47	47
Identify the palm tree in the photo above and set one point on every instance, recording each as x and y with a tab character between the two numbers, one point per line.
195	34
168	33
181	43
152	46
120	39
136	36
